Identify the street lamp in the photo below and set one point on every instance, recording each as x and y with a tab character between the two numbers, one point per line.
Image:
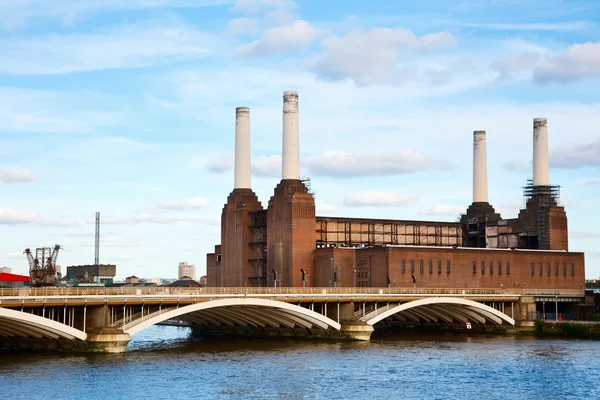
303	277
274	280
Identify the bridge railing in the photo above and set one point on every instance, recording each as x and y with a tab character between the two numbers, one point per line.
292	291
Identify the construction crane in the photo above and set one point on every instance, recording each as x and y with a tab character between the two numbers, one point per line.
42	268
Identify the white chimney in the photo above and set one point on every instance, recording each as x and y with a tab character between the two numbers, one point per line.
480	186
242	148
291	141
541	172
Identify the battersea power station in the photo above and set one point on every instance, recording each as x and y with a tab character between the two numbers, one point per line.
287	244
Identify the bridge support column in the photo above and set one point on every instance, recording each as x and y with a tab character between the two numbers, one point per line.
357	330
101	337
107	340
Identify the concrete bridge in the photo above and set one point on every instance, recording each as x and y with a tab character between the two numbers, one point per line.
103	319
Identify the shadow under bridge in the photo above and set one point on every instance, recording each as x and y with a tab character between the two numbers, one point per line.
448	311
243	316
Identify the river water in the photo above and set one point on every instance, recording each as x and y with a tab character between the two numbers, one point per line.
164	363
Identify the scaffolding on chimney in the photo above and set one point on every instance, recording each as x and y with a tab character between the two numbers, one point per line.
540	198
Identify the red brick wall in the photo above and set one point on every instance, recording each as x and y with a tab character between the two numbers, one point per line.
558	233
291	233
337	259
236	237
381	261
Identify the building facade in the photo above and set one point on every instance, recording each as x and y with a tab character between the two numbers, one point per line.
287	244
186	269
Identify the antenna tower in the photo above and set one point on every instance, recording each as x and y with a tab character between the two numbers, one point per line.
97	257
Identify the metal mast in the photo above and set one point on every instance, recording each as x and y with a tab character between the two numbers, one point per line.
97	257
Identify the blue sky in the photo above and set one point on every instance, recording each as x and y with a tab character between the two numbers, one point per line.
127	108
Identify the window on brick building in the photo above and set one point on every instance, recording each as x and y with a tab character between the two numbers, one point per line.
541	269
532	269
508	268
556	269
564	269
403	266
431	266
439	266
421	266
448	266
474	267
572	269
483	268
499	267
548	269
412	266
491	268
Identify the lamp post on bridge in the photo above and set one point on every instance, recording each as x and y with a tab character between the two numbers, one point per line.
274	281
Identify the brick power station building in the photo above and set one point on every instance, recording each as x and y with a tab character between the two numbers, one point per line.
287	244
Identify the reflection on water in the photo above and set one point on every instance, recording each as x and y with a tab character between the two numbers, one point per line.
165	363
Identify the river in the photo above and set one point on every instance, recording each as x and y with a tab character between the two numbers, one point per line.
162	362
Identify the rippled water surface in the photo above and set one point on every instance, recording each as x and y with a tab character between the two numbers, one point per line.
164	363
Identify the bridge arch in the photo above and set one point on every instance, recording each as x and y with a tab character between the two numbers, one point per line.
444	308
241	311
30	325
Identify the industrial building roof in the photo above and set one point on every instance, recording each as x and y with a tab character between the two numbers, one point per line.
6	277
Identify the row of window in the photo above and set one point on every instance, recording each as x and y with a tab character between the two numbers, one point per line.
422	266
498	268
549	269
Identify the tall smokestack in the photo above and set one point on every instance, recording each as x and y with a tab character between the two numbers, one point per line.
291	141
480	186
242	148
541	174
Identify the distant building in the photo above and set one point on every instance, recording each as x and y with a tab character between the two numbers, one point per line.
5	270
202	280
156	281
186	269
132	279
85	273
185	281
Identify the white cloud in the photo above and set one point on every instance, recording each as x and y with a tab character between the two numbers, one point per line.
342	164
578	155
444	210
579	61
549	26
14	14
20	217
267	166
327	209
125	47
241	26
17	217
296	35
516	165
185	204
254	6
14	175
372	57
590	182
220	164
369	198
512	65
584	234
26	110
158	219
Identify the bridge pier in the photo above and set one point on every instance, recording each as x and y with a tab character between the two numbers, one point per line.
107	340
101	338
357	330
